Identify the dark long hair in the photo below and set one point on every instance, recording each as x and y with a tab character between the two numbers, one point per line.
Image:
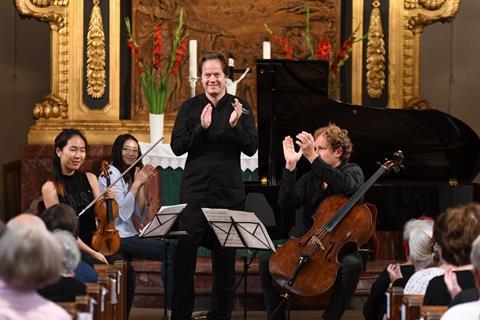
60	142
117	156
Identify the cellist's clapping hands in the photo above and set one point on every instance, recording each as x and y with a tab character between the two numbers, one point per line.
306	142
291	156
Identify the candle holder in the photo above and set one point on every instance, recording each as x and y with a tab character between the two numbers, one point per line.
193	83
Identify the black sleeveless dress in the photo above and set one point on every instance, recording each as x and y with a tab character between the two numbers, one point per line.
78	194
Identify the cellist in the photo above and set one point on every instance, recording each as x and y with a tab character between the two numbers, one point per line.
328	152
69	185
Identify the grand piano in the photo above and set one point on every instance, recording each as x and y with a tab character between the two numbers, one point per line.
442	153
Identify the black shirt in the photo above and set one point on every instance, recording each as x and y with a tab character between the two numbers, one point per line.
437	293
307	192
376	305
212	176
78	194
64	290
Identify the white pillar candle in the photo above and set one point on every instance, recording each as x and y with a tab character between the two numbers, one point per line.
266	50
192	45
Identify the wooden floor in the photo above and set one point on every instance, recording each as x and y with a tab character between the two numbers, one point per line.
157	314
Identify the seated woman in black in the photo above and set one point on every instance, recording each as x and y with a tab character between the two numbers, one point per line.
454	231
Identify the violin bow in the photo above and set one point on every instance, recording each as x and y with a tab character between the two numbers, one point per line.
121	176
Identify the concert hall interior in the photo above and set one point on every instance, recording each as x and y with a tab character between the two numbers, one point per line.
398	75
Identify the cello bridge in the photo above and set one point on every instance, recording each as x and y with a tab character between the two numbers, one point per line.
316	241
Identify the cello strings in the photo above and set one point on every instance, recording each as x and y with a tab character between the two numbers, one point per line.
340	214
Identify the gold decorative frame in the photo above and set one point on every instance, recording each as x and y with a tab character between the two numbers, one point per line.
64	107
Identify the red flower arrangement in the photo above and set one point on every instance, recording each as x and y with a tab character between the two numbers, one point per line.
323	51
154	75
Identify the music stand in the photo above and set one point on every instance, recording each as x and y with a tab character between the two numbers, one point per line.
239	229
159	227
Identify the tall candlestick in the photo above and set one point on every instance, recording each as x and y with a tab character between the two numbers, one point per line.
266	50
193	58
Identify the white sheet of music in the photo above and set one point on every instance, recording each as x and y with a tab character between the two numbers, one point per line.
251	229
163	221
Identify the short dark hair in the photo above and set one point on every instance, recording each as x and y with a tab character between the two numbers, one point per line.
61	217
215	55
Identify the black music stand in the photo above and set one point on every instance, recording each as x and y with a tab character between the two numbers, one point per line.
239	229
159	228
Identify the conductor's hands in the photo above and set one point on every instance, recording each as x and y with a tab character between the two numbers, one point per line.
291	156
206	116
236	113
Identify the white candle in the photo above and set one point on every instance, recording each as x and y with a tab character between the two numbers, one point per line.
192	45
231	62
266	50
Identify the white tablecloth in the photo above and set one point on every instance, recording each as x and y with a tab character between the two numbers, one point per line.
162	155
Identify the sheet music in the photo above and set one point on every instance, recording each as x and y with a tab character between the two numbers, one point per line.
163	221
238	229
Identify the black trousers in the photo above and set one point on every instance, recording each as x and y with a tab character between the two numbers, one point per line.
351	266
193	221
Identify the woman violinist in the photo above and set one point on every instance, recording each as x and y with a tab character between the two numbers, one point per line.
328	151
132	205
78	189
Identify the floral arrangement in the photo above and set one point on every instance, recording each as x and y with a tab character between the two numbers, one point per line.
156	68
323	50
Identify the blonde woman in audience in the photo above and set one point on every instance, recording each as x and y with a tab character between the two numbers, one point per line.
469	310
30	259
424	256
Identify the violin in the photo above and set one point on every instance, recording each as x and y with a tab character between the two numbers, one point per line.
305	268
106	239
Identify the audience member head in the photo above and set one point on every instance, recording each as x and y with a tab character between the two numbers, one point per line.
125	151
455	230
422	248
25	219
68	156
61	217
30	257
71	252
337	138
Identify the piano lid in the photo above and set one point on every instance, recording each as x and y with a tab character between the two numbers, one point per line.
436	145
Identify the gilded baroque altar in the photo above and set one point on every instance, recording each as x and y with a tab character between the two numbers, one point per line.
87	38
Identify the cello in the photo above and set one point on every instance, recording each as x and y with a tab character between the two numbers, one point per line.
305	269
106	239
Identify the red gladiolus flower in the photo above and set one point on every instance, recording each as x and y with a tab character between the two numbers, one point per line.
324	48
179	55
157	51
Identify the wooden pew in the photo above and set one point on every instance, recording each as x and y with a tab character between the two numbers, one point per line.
85	307
95	291
410	309
394	303
432	312
117	288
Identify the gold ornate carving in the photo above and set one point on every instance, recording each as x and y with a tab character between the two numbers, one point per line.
375	54
52	107
419	14
96	54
